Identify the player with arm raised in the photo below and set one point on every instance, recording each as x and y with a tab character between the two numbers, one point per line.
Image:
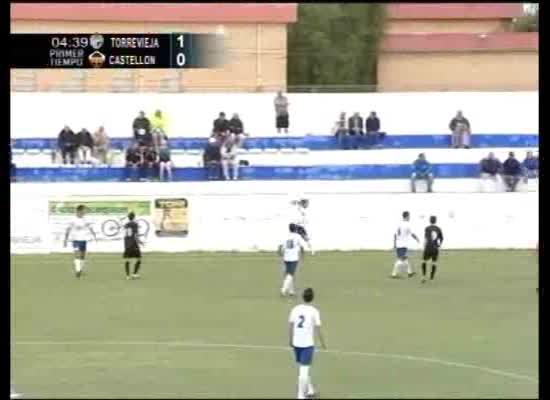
78	229
300	219
305	323
433	238
131	246
290	249
401	240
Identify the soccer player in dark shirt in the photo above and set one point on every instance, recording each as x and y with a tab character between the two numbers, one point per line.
131	246
433	238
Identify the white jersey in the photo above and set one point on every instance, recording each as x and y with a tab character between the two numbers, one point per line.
403	234
304	318
292	246
80	229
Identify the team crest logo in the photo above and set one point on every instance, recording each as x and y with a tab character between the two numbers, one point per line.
96	41
96	59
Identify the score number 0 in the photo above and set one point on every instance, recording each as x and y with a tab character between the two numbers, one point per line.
180	57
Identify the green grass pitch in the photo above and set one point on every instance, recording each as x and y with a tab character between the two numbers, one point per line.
212	325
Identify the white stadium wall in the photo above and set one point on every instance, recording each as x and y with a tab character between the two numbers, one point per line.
44	114
251	216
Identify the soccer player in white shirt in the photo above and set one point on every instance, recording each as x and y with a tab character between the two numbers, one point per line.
305	322
290	249
80	227
300	219
401	240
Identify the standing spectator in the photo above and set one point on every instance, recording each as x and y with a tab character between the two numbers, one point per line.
101	145
159	128
422	170
372	126
133	161
281	112
142	130
149	163
165	161
490	168
67	143
530	166
512	171
230	158
85	145
212	159
236	125
460	131
220	126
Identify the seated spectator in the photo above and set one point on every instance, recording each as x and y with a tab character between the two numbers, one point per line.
159	122
490	167
133	161
67	144
339	130
230	158
236	125
530	166
512	171
355	124
149	163
165	161
460	131
85	145
422	170
220	126
372	126
101	145
212	159
142	130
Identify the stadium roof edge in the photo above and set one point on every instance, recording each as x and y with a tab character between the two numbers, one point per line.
158	12
476	11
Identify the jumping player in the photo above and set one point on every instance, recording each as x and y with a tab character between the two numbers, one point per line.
131	246
300	219
433	238
401	245
290	249
305	322
79	227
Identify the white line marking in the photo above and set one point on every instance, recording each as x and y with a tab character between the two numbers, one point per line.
281	348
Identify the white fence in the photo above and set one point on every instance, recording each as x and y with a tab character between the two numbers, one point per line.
250	216
192	114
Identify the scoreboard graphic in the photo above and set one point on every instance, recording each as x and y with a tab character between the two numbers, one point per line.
102	50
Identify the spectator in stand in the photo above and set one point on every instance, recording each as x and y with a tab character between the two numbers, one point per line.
220	127
67	144
460	131
355	129
101	145
142	130
165	161
281	112
339	130
149	163
211	158
512	171
530	166
230	159
236	125
372	126
85	145
133	161
422	170
159	129
490	168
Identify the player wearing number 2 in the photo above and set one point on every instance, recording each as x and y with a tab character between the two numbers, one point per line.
290	249
305	322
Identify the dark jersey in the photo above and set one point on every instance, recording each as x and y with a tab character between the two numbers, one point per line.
433	236
131	234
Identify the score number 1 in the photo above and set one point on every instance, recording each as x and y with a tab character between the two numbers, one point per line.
180	57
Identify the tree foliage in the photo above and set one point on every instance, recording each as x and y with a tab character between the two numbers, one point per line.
529	22
335	44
